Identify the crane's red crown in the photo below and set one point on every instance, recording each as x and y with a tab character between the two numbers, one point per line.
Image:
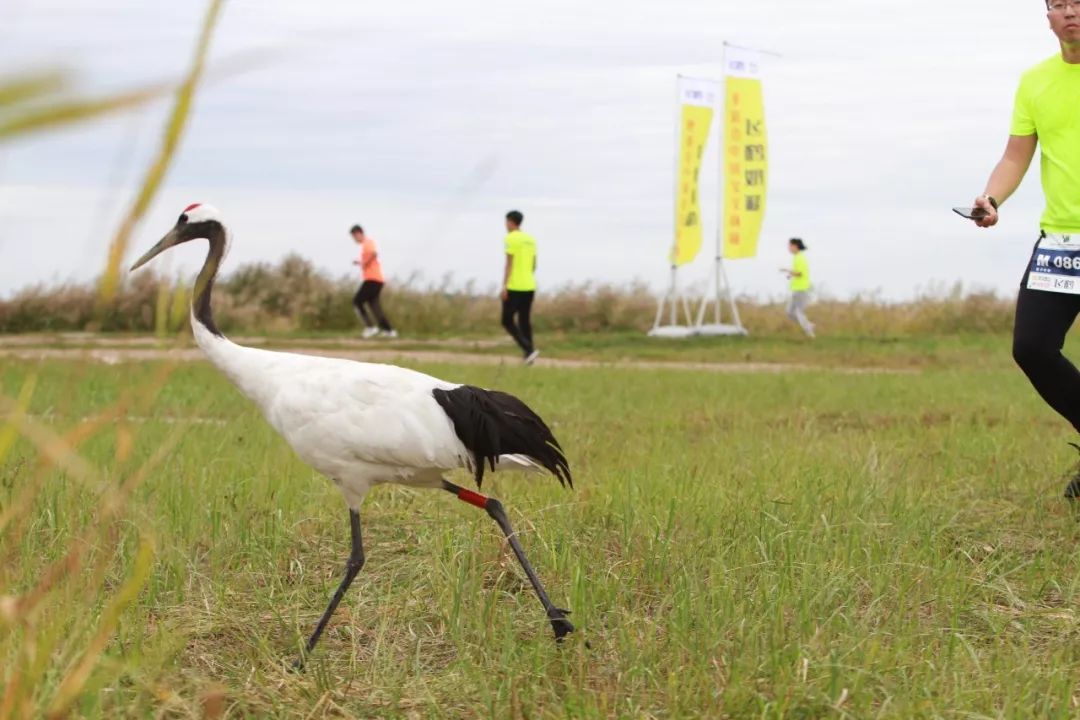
200	212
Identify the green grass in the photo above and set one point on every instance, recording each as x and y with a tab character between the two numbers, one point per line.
843	350
799	545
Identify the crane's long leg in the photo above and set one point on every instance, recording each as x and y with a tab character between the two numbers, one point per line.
352	567
494	508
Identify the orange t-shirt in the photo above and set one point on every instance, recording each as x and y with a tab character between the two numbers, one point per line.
372	271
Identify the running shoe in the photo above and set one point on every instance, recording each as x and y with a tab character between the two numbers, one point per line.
531	357
369	332
391	334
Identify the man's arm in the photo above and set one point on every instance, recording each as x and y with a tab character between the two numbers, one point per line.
506	276
367	263
1006	176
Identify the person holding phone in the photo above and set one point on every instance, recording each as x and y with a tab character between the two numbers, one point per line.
1049	301
799	277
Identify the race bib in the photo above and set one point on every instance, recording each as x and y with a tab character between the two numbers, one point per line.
1055	265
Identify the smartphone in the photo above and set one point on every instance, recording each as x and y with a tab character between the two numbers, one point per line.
971	213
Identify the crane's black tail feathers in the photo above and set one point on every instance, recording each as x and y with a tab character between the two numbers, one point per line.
491	423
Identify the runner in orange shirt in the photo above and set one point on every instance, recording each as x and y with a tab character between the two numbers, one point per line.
367	297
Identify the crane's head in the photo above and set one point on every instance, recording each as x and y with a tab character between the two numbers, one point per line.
198	221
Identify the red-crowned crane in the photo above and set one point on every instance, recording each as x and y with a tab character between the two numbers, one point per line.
362	424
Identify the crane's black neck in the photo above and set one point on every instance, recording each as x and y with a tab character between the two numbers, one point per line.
204	284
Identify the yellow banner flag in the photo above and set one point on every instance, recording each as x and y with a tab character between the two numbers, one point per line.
746	154
697	99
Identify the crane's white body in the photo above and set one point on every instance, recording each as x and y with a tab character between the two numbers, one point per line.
359	424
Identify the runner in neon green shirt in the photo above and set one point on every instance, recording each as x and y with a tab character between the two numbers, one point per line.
519	285
521	257
799	275
1044	117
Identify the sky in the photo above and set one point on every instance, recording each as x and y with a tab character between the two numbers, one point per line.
426	121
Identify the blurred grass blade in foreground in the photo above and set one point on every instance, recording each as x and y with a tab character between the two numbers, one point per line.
14	90
78	676
155	175
61	609
27	105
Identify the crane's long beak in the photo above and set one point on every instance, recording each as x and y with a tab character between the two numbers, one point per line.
164	244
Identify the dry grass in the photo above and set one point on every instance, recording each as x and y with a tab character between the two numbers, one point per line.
293	296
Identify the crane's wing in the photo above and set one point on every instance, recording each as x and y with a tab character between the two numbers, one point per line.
498	427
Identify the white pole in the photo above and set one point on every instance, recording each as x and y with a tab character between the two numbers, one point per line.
731	298
720	113
722	209
671	298
717	270
675	204
660	311
674	300
673	293
757	50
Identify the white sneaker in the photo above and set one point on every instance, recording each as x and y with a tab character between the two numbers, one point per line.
531	357
391	334
369	332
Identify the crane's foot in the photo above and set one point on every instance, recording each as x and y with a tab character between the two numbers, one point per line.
560	624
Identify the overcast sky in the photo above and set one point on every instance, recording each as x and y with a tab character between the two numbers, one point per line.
426	120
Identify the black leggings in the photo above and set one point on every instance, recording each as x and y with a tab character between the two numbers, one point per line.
520	304
367	297
1042	320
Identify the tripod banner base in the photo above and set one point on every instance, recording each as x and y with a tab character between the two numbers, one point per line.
719	330
682	332
677	332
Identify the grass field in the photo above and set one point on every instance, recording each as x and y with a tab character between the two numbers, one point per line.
802	545
847	350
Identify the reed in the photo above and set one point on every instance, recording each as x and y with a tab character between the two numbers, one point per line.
292	296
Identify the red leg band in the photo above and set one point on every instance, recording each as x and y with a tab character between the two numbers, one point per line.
472	498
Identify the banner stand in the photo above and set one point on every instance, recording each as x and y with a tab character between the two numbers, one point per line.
743	166
696	102
673	302
675	317
716	300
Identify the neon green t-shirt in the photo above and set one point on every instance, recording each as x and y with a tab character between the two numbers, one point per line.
521	246
1047	106
799	265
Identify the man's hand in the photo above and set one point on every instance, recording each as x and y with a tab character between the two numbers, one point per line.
991	217
505	295
355	262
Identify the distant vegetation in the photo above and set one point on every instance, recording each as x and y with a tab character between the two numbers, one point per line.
293	296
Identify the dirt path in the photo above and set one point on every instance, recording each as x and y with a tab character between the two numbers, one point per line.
88	339
140	350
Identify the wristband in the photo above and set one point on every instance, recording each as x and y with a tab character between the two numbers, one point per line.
993	202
